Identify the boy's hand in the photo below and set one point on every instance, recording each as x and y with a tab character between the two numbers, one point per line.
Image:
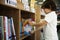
29	22
26	22
32	23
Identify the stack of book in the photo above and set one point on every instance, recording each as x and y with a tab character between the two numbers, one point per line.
32	4
11	2
26	5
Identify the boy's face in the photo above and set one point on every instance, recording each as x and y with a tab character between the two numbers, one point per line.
46	10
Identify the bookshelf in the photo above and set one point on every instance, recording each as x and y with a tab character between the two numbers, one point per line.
16	13
11	12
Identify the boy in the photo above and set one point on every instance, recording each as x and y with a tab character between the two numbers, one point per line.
49	22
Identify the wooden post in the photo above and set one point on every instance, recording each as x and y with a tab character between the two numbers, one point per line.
37	19
16	20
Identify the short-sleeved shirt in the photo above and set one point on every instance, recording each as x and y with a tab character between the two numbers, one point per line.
50	30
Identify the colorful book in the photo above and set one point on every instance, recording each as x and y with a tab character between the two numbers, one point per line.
7	30
10	30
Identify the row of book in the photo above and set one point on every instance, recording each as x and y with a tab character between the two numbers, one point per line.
14	3
28	4
7	30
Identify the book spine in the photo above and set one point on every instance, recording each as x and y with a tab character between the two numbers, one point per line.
5	28
12	29
1	33
1	28
6	1
9	30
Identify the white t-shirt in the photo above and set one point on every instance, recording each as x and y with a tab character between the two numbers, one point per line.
50	30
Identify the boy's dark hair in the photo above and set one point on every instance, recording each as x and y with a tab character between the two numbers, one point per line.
49	4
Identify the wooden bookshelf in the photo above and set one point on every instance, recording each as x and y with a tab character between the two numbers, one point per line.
17	14
7	11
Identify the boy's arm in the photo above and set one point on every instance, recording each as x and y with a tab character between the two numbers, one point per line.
41	23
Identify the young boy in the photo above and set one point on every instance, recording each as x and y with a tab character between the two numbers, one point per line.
49	22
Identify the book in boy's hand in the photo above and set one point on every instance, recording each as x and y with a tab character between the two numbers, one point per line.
27	29
26	22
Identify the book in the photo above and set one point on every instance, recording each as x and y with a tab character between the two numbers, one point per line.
11	2
6	1
5	24
26	5
1	28
9	30
12	29
27	29
4	27
32	3
25	2
21	25
0	33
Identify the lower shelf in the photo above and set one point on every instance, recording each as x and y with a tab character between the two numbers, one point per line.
30	37
23	36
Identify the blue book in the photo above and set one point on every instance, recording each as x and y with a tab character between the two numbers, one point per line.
12	2
12	28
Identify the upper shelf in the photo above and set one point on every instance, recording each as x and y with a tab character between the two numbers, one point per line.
7	6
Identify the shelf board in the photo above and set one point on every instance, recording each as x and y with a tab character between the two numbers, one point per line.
32	32
28	11
24	36
7	6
